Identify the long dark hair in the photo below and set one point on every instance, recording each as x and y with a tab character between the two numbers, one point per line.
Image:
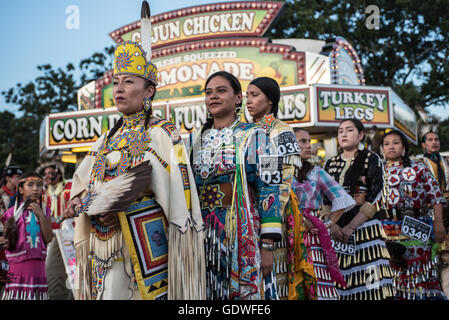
235	85
148	113
355	171
405	157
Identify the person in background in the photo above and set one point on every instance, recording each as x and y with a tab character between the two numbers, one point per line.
56	196
27	234
9	187
8	192
241	211
262	102
439	167
367	270
312	184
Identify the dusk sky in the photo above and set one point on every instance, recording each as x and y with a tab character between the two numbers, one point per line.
36	33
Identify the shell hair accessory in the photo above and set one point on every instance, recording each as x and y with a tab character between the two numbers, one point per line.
133	58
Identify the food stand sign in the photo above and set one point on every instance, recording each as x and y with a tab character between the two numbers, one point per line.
82	128
294	108
231	19
77	129
370	105
182	73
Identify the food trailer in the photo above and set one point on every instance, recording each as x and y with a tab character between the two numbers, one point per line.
321	82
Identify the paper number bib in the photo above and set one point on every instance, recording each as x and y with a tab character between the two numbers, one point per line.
345	248
270	170
416	229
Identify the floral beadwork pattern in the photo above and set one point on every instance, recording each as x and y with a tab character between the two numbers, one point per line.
211	197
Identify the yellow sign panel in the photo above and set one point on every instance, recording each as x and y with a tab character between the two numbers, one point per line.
367	104
233	19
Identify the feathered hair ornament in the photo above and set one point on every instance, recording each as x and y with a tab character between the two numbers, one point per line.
134	58
117	194
145	29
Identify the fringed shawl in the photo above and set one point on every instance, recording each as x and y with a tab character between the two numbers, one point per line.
171	177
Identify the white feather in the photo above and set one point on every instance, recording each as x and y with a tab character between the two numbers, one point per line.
8	159
108	193
145	30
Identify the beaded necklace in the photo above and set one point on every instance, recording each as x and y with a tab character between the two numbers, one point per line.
132	120
217	151
125	149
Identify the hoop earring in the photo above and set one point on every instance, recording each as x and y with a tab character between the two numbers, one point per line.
146	104
361	146
237	110
209	116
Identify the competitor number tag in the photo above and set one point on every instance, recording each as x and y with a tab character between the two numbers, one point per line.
286	144
416	229
270	169
345	248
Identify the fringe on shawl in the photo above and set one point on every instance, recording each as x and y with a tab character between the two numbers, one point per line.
186	267
83	277
105	251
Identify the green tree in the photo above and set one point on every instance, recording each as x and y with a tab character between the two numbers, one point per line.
408	52
96	65
54	90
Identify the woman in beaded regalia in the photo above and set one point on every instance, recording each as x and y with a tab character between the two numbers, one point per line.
312	184
241	211
155	248
366	269
413	221
294	277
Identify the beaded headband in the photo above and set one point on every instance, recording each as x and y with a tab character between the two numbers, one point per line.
33	179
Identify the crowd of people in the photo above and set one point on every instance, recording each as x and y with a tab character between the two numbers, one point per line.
242	214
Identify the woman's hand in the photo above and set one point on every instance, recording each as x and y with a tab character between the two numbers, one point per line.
439	232
267	261
337	233
347	231
72	208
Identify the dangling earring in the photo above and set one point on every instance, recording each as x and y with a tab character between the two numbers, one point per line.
361	146
209	116
147	104
403	153
382	152
237	110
